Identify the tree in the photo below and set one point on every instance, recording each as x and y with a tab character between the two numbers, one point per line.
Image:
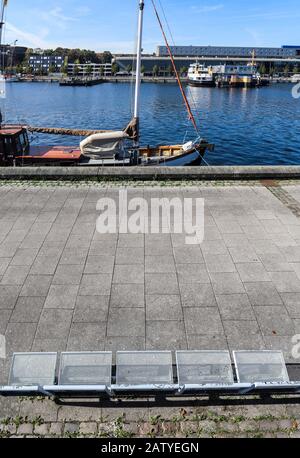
48	52
286	70
19	68
129	68
143	69
52	68
170	70
106	57
183	71
155	70
28	70
89	70
115	68
28	53
76	69
271	70
64	69
262	69
296	69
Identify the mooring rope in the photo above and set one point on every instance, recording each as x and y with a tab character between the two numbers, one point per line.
62	131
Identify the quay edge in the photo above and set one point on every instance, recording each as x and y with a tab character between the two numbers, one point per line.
213	173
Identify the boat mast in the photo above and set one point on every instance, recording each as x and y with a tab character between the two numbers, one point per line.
139	61
3	5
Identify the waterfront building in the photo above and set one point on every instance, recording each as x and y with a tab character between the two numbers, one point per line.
184	56
41	63
285	52
12	55
90	69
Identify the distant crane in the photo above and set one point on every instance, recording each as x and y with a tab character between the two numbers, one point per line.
12	46
253	63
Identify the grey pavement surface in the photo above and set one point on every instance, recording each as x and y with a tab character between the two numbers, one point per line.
64	286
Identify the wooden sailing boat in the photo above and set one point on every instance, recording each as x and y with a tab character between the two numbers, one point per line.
106	148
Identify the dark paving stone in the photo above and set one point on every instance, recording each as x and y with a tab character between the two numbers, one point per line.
263	293
274	320
197	295
27	310
163	308
243	335
165	335
36	285
61	297
235	306
87	337
126	322
203	320
124	274
131	295
95	285
54	324
91	309
158	284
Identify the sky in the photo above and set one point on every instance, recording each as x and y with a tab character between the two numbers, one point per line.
111	24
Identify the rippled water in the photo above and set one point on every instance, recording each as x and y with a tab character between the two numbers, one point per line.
254	126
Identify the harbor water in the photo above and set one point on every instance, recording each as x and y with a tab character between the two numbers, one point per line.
248	126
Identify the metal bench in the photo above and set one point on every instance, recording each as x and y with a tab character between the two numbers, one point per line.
29	373
144	371
89	374
206	371
83	372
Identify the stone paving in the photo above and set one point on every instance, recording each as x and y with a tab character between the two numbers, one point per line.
43	418
64	286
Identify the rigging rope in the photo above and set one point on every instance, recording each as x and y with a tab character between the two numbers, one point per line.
193	103
191	116
166	21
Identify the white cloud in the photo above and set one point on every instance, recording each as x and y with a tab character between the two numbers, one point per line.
28	38
56	17
83	10
269	15
257	40
57	13
207	8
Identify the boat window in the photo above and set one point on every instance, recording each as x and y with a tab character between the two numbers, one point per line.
24	139
2	150
21	143
8	145
19	146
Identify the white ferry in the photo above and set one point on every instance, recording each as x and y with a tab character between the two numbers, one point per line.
296	78
199	75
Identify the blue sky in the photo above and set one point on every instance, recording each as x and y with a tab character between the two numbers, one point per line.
111	24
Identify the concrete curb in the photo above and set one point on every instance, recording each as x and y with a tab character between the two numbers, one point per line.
152	173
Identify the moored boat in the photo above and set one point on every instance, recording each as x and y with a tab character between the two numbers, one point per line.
239	76
12	79
85	82
103	149
200	76
296	78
